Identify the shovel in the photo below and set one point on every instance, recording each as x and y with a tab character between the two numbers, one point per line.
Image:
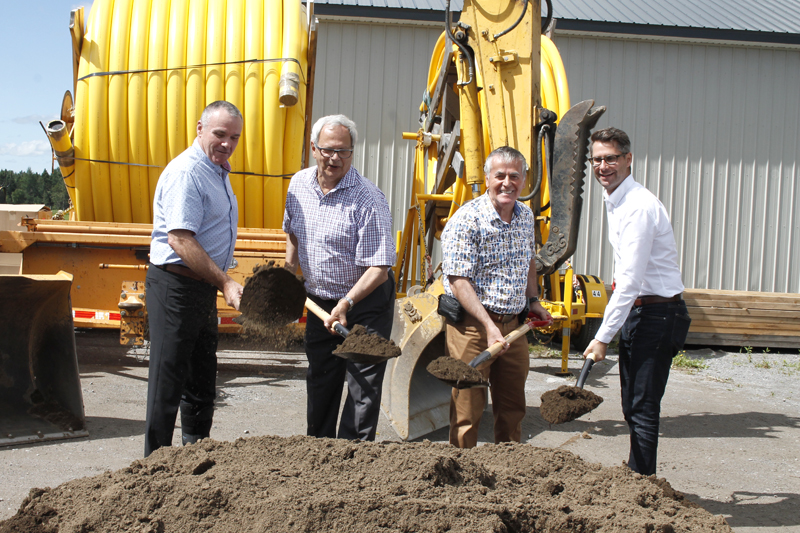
567	403
468	375
362	346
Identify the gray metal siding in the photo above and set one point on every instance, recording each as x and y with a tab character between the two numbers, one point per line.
376	74
715	132
715	136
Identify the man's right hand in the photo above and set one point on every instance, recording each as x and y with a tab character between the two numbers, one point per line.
232	291
597	348
493	336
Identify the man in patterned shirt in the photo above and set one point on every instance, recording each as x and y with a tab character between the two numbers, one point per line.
489	249
339	231
194	233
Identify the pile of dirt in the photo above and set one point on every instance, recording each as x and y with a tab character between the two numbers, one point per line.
567	403
456	372
272	298
300	483
363	346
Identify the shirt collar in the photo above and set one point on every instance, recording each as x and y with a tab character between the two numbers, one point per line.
348	180
226	166
493	212
619	193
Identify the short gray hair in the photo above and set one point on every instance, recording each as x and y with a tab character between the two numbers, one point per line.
216	106
507	155
334	120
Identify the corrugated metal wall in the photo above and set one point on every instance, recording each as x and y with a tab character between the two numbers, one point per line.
715	132
376	74
715	135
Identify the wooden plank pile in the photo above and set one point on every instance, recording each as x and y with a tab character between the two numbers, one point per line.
743	318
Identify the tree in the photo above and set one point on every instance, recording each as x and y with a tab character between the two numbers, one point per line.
29	187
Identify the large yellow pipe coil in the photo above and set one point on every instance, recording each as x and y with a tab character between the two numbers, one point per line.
145	119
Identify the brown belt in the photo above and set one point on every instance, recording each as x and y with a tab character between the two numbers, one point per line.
646	300
502	319
181	271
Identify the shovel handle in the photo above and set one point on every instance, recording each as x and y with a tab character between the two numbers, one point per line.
320	312
587	366
495	348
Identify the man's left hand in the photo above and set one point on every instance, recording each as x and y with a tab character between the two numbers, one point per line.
232	291
338	314
597	348
538	312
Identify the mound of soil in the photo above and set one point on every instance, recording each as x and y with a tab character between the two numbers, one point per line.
567	403
300	483
362	346
273	297
456	372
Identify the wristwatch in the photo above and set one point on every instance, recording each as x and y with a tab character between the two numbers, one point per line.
349	301
532	300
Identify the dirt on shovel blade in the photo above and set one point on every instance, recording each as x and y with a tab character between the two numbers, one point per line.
455	371
272	298
567	403
364	347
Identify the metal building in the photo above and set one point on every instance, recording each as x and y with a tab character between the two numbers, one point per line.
708	91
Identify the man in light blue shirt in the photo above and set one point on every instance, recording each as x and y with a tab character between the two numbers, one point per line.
195	216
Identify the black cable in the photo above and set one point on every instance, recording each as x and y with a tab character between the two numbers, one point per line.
549	18
464	51
187	67
158	166
521	16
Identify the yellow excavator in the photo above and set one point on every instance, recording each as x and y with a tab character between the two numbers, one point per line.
494	79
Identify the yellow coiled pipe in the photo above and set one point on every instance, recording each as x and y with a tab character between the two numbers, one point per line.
129	125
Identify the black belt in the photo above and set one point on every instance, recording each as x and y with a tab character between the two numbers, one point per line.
647	300
181	271
502	319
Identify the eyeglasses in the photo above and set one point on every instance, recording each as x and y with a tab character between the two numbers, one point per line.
611	160
344	153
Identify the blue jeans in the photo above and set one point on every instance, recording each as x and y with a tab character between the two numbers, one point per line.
652	335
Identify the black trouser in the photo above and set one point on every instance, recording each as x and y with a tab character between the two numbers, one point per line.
327	372
652	335
182	317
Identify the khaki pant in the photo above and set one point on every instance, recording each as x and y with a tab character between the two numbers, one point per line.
507	375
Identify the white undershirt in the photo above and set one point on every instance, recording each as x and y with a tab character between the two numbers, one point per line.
645	255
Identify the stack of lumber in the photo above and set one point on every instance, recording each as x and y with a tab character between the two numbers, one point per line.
742	318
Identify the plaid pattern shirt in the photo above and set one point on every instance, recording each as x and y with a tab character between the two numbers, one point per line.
494	255
340	234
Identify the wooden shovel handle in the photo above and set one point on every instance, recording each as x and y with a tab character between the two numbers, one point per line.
323	315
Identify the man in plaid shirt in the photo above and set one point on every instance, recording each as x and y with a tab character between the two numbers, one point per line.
489	265
339	231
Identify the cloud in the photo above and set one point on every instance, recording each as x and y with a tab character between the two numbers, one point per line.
32	119
26	148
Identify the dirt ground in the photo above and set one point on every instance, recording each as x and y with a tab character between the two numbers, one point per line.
730	432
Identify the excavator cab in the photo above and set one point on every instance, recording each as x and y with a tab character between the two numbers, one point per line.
40	389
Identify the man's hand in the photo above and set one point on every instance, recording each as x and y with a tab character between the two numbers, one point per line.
232	291
539	312
598	349
493	335
338	314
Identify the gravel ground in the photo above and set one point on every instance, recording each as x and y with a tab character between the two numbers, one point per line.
730	431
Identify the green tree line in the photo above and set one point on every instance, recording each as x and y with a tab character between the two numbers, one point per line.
34	188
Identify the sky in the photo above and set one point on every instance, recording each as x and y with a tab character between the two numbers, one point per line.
36	58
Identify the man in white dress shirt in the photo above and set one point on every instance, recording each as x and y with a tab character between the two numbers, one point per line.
647	303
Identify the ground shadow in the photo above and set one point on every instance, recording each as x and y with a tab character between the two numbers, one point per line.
753	509
695	425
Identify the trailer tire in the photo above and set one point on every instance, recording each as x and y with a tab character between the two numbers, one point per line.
586	334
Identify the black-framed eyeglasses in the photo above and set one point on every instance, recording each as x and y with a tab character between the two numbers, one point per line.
344	153
611	159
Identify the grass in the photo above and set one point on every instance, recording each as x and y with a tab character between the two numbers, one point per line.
542	351
687	363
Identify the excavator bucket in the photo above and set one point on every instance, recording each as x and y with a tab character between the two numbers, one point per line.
40	390
415	402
